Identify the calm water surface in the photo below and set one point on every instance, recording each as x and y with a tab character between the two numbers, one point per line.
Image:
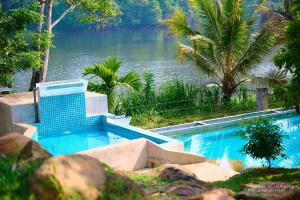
146	49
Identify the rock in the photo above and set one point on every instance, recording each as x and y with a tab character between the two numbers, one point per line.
248	196
178	173
271	191
218	194
23	147
186	190
69	176
153	163
247	186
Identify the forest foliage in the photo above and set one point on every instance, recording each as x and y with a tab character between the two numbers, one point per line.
133	12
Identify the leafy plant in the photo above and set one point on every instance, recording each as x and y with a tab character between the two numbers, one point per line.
225	45
104	78
264	140
17	44
14	175
288	59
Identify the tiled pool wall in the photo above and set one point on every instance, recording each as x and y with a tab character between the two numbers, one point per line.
64	112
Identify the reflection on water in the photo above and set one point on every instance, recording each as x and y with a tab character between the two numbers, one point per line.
141	50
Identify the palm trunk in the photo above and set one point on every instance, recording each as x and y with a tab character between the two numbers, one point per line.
228	88
35	78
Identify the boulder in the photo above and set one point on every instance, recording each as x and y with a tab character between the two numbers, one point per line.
69	176
21	146
153	163
218	194
270	191
178	173
186	190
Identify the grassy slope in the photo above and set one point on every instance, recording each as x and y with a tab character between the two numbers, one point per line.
256	176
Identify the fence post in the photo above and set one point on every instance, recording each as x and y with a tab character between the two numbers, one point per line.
262	99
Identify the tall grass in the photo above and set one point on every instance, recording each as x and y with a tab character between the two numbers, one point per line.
178	102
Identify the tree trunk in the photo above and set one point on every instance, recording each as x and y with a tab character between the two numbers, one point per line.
297	108
228	88
44	69
35	78
269	163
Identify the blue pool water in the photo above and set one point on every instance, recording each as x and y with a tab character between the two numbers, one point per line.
223	142
69	142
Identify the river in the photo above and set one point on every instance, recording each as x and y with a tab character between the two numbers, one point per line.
143	49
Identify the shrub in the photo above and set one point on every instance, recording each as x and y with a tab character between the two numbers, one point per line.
264	140
14	174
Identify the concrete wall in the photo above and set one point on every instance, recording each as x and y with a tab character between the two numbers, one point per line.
19	108
262	99
127	156
134	155
172	156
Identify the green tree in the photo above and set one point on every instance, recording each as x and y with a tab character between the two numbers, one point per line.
17	44
264	140
225	45
288	59
104	78
90	11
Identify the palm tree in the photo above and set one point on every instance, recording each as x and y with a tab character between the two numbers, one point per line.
103	78
224	46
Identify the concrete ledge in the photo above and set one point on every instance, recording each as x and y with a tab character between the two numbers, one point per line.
134	155
19	108
25	129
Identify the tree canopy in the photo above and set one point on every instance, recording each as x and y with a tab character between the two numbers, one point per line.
224	43
288	58
18	45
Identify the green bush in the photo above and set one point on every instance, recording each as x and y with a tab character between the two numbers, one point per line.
14	175
264	140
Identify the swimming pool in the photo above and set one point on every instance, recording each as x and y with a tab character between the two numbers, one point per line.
65	128
223	142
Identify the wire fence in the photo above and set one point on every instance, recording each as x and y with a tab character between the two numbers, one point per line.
204	105
178	102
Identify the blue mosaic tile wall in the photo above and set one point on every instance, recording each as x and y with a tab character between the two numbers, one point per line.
64	113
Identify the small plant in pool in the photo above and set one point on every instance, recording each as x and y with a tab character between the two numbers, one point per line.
264	140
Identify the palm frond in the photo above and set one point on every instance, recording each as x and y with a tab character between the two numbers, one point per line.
178	24
112	63
97	87
235	31
208	19
261	46
204	46
272	78
100	71
188	53
130	81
